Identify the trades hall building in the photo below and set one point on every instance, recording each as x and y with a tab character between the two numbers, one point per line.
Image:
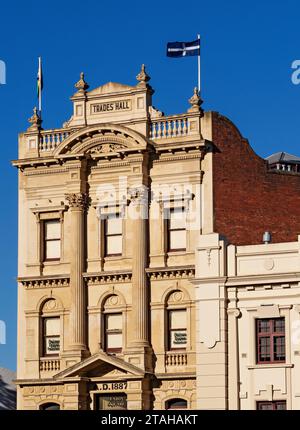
159	260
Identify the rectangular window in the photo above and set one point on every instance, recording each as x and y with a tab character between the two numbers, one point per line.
270	340
52	239
177	230
278	405
113	333
113	235
51	336
177	329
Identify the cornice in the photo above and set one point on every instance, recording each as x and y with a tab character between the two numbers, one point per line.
107	277
46	171
185	272
44	282
176	157
179	375
263	279
110	164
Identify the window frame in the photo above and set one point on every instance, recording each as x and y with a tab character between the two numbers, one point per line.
112	331
170	330
274	404
271	334
45	240
170	230
106	235
44	336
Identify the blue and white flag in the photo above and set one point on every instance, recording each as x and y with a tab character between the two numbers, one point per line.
183	49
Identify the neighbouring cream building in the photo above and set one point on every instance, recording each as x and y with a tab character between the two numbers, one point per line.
143	278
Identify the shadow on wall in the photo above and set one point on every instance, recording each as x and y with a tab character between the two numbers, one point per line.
7	396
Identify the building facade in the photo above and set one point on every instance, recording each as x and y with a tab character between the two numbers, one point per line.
143	282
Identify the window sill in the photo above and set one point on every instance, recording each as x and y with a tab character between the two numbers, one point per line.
270	366
179	252
52	262
113	257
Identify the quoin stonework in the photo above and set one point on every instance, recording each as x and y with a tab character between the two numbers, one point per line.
159	260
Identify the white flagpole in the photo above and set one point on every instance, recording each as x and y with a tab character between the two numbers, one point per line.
40	85
199	67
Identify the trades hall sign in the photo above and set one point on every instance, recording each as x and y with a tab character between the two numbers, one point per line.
120	105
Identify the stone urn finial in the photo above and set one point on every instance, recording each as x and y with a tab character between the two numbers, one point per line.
195	101
143	77
35	121
81	85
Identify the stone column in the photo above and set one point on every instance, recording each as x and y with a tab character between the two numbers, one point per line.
139	216
78	203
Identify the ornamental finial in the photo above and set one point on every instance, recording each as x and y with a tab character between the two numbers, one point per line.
81	85
35	121
143	77
195	101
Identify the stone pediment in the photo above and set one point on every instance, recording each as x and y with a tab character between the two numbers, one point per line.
110	88
101	364
107	138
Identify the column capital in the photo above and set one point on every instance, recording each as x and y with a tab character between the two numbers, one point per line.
139	194
78	201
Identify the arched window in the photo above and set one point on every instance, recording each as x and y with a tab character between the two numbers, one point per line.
177	336
50	329
50	407
112	325
176	404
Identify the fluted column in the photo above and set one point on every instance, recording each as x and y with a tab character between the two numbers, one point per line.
139	215
78	203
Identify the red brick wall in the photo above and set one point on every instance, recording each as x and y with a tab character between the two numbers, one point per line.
248	199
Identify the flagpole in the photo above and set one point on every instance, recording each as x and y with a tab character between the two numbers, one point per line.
199	68
40	84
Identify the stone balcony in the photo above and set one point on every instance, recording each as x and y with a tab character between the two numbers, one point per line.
49	366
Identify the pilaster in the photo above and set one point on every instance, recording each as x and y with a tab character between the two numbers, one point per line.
211	323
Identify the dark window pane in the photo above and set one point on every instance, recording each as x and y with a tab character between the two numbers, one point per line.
264	348
50	407
279	348
263	326
281	406
271	406
176	404
265	406
279	325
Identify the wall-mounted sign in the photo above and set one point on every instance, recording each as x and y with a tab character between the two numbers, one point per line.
112	402
52	345
178	339
116	106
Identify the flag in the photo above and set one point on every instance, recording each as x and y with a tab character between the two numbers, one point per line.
39	80
183	49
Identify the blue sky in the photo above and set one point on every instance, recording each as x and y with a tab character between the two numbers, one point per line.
246	56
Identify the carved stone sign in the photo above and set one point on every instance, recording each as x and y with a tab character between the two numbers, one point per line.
116	106
112	386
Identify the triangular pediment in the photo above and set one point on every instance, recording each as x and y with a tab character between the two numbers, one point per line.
110	88
101	364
